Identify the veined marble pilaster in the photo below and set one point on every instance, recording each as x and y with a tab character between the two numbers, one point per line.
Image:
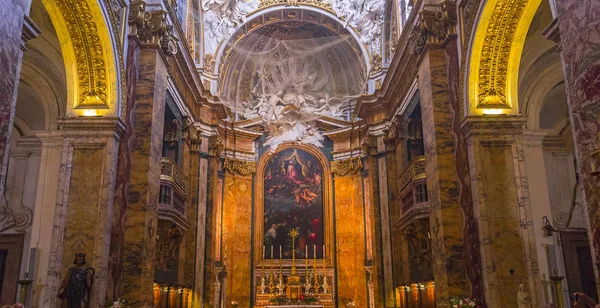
11	23
501	201
237	239
350	240
201	230
84	203
579	36
141	217
446	215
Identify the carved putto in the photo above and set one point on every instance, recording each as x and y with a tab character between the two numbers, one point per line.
366	16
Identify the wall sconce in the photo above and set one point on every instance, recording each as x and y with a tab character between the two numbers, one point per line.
548	228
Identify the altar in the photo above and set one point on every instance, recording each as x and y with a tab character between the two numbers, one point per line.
296	306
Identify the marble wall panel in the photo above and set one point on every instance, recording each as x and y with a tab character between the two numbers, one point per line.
580	34
386	240
237	238
11	26
140	224
446	215
376	243
350	241
503	253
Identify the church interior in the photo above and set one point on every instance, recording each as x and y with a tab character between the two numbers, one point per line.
300	153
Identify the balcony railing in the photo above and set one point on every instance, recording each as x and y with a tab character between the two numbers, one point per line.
413	184
173	193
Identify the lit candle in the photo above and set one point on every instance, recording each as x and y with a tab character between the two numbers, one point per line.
263	261
272	259
306	258
324	262
315	257
280	262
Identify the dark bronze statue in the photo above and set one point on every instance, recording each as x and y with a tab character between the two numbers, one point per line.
76	288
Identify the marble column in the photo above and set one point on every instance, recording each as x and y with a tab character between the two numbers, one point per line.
502	203
579	35
11	55
84	202
141	217
446	215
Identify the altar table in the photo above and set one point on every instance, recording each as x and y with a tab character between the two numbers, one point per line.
296	306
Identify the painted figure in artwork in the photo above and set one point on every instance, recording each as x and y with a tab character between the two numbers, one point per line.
75	290
293	199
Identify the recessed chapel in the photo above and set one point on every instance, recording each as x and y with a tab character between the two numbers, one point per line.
299	153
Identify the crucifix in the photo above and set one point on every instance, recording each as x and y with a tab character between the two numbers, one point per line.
293	234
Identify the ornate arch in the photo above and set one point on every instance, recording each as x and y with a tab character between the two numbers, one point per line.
259	201
496	54
92	70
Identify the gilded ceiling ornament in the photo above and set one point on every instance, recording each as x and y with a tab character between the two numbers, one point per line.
239	167
89	54
314	3
151	27
495	54
346	167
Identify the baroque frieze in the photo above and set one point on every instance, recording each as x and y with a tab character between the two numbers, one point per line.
239	167
346	167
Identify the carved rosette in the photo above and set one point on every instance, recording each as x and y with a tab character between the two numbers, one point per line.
352	166
151	27
239	167
192	135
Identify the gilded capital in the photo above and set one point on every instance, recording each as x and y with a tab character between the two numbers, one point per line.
151	27
434	26
239	167
346	167
192	135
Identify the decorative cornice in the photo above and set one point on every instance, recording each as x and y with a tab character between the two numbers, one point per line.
151	27
76	127
352	166
239	167
552	32
30	31
498	126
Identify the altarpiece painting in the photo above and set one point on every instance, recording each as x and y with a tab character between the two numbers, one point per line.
293	199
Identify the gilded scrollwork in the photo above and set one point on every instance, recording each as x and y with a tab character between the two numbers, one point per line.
239	167
346	167
434	27
369	145
89	53
314	3
495	54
